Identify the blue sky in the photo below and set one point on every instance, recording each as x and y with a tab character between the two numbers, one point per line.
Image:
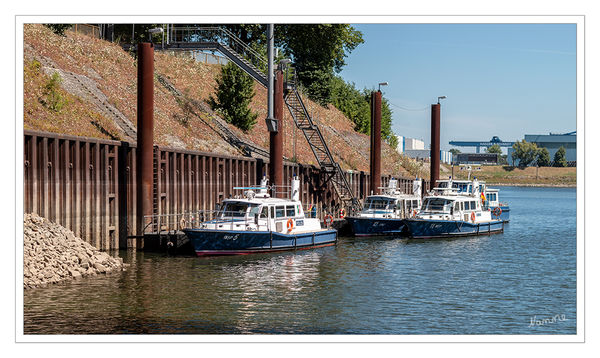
500	79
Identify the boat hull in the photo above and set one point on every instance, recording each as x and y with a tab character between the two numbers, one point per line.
221	242
429	229
376	226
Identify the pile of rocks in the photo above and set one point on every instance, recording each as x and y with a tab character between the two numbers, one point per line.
52	253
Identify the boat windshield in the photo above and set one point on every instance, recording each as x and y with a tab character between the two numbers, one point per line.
443	184
462	187
238	209
435	204
378	203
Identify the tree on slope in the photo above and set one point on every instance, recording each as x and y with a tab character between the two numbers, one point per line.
234	91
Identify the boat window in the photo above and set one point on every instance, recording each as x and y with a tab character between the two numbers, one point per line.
473	205
265	212
435	204
462	207
254	210
238	209
377	203
279	211
289	211
272	212
415	203
443	184
456	207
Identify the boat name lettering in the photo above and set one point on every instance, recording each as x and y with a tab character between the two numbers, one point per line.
299	222
231	237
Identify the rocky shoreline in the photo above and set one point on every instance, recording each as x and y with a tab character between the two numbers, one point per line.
52	254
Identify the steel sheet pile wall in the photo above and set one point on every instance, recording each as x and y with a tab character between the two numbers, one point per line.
88	185
73	182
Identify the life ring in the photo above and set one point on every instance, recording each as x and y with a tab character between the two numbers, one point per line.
473	216
414	213
328	220
497	211
290	225
342	213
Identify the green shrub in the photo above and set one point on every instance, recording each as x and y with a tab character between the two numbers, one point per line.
234	91
59	29
53	100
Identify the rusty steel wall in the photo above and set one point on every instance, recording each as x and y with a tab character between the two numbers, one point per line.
88	185
73	181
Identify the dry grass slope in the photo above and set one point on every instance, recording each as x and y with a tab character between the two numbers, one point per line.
114	73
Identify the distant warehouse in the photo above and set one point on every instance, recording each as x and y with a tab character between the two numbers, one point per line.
553	142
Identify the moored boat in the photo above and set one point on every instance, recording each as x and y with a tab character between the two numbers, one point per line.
259	223
448	213
491	197
384	214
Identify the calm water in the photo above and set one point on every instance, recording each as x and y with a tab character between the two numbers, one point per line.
480	285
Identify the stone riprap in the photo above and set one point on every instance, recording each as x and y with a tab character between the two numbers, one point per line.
52	253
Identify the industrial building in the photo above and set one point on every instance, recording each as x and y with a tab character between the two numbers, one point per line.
552	142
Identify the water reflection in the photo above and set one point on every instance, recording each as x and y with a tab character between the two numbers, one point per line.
478	285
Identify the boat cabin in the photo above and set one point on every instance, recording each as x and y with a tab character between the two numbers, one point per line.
461	186
463	208
385	206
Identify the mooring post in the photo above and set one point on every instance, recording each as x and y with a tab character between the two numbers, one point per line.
375	166
276	137
434	153
145	130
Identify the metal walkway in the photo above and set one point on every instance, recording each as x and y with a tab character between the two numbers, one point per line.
251	62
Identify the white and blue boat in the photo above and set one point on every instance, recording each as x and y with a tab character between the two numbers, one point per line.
448	213
384	214
259	223
491	197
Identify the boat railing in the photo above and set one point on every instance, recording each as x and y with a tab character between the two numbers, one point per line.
171	223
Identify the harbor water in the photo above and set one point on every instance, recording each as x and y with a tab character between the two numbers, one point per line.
520	282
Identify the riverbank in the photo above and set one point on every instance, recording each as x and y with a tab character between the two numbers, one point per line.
513	176
53	254
534	185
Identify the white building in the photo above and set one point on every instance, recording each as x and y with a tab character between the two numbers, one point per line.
405	144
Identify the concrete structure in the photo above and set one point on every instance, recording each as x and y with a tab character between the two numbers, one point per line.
405	144
552	142
423	154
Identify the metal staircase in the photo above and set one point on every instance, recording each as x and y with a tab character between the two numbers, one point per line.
251	62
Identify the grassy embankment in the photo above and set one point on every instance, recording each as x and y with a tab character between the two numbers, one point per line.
505	175
56	106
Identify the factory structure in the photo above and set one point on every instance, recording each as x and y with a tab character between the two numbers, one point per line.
415	148
552	142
